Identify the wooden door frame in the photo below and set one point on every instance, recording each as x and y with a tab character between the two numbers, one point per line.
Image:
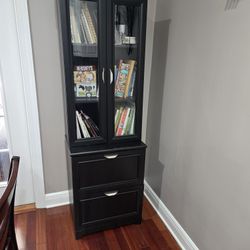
30	96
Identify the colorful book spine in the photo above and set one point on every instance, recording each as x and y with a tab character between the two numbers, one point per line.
130	73
128	126
121	81
125	122
118	118
122	122
132	84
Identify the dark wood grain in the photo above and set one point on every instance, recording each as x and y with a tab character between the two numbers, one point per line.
52	229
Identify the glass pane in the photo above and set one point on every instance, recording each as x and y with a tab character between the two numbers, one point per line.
126	54
84	36
84	27
4	165
3	137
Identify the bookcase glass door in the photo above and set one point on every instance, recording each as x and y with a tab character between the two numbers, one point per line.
126	39
86	68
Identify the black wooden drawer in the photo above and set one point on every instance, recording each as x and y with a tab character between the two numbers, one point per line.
109	205
109	168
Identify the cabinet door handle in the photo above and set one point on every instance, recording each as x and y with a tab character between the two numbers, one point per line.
103	75
112	193
110	157
111	76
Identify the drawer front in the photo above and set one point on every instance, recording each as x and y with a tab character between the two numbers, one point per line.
109	168
108	206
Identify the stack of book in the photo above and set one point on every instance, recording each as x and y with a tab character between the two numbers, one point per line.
124	121
84	25
85	126
125	76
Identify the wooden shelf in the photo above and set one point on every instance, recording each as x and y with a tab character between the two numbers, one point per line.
81	100
129	100
125	46
85	50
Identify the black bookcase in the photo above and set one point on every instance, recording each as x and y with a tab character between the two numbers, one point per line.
102	48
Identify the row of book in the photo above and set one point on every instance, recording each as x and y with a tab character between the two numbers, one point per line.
83	23
125	76
124	121
85	126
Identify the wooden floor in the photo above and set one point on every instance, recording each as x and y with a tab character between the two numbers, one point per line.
52	229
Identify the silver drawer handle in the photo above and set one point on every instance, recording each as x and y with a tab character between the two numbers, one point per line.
111	76
103	77
110	157
113	193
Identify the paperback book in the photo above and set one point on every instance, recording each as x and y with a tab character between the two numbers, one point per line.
125	77
85	126
85	81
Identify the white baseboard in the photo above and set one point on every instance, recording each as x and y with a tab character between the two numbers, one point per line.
57	199
182	238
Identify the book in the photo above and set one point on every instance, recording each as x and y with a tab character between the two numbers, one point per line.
90	24
125	77
122	122
92	6
86	27
75	34
132	84
121	81
131	129
130	73
85	81
125	122
82	126
93	129
78	133
129	123
118	118
90	129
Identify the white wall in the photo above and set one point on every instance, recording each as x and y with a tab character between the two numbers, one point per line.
201	168
45	39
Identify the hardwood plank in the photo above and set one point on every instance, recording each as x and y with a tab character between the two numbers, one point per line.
21	230
59	229
111	240
41	226
158	222
170	240
151	231
41	247
25	208
97	241
148	212
135	237
31	231
121	239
